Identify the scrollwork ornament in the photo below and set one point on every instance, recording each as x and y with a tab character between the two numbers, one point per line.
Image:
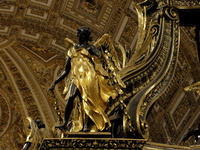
154	29
144	127
171	13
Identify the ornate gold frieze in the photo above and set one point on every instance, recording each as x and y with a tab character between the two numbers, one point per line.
43	74
12	130
5	113
31	106
189	3
93	143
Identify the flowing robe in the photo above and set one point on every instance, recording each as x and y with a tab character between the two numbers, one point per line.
91	79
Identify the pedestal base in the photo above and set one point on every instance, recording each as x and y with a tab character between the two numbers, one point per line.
92	143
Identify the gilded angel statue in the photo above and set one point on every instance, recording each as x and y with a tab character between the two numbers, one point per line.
92	80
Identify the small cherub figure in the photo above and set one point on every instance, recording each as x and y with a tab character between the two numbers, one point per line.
37	134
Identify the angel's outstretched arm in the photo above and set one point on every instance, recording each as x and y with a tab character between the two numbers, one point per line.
63	74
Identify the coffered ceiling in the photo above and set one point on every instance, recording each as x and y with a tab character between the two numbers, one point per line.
32	54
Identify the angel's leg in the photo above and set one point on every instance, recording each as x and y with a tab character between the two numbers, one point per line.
88	123
73	92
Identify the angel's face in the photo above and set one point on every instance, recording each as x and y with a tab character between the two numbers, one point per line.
83	33
82	36
79	33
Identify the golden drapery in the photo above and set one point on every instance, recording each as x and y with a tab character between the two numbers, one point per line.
91	79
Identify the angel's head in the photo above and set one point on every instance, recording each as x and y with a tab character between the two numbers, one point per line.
84	33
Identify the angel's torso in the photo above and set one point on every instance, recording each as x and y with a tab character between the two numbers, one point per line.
90	48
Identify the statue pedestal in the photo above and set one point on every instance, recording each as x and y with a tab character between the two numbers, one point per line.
98	140
87	134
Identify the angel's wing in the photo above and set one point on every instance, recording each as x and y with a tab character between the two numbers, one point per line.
105	42
110	61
